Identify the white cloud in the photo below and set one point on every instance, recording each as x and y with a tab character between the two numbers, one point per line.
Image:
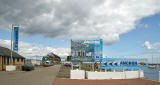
77	19
150	46
28	49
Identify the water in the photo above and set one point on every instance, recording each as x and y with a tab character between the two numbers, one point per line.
152	73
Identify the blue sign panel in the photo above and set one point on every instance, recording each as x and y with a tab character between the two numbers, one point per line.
126	63
98	47
15	38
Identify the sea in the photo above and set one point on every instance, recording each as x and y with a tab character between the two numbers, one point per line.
152	73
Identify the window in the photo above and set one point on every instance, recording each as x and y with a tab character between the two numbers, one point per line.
17	59
21	59
8	60
4	58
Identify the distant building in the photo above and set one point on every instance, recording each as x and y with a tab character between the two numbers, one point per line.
33	61
51	57
5	57
86	50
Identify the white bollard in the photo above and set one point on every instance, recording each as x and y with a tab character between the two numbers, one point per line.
138	73
72	65
93	66
114	70
79	66
159	76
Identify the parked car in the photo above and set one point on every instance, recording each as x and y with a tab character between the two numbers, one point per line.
47	63
67	64
76	66
27	67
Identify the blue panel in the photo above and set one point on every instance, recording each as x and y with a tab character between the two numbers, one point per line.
15	38
126	63
78	53
98	51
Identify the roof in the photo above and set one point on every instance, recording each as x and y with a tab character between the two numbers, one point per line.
7	52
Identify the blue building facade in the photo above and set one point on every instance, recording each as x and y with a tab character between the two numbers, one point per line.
87	50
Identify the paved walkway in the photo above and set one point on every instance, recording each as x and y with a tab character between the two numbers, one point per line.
40	76
58	81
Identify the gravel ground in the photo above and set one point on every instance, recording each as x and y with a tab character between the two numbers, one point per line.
58	81
39	76
64	72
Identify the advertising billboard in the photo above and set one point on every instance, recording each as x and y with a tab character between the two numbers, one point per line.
15	38
86	50
124	63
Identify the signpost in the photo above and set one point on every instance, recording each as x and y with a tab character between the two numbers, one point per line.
11	42
14	47
14	39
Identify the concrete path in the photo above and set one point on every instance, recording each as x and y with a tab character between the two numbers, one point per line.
40	76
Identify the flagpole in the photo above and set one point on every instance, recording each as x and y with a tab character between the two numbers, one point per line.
11	43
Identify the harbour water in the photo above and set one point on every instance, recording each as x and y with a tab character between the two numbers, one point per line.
151	73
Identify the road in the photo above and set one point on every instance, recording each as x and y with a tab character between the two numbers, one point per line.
40	76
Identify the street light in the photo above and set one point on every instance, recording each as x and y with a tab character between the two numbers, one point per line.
11	42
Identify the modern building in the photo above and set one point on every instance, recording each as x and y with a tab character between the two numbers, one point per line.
86	50
5	58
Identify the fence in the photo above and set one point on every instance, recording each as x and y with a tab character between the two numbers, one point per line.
150	73
115	75
80	74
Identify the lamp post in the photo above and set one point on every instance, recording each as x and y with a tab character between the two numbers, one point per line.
11	43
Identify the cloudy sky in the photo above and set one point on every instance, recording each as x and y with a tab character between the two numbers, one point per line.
127	27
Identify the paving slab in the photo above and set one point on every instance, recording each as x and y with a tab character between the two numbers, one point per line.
60	81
